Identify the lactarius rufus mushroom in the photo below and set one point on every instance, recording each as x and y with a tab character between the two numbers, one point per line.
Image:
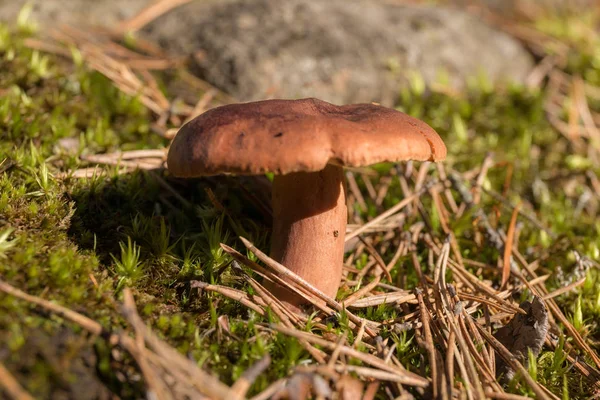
305	143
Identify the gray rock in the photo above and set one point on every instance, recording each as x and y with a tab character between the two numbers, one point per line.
337	50
342	51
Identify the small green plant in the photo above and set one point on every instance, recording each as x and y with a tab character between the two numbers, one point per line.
532	366
214	235
128	267
404	343
160	240
5	244
24	21
44	180
577	318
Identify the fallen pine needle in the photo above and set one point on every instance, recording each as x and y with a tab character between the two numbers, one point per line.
563	290
510	235
11	386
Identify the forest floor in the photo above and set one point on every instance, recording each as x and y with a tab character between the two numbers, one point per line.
117	279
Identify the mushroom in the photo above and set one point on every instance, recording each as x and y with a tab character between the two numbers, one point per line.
305	143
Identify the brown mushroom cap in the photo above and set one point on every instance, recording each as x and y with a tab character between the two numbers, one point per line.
284	136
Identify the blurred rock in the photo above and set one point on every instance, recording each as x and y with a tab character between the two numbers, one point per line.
340	51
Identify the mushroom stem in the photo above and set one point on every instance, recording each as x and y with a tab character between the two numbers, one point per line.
309	224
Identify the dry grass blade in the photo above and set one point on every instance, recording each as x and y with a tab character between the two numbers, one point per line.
41	45
149	14
484	372
90	172
378	259
505	396
273	388
131	162
398	297
541	71
508	245
336	352
450	357
498	306
564	289
137	154
355	195
363	372
201	105
371	391
285	315
242	385
348	301
11	387
585	112
429	345
486	361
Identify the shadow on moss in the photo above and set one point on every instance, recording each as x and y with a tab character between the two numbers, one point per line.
136	218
